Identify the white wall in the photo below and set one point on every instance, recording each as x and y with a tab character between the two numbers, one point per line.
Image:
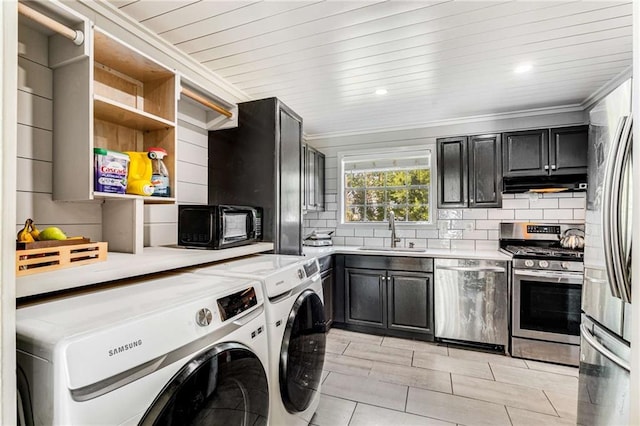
466	229
35	163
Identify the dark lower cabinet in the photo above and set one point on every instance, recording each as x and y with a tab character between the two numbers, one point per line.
394	302
409	298
327	290
365	297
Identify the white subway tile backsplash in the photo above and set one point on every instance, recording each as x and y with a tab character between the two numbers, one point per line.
338	241
332	224
344	232
451	234
475	235
439	244
515	204
449	214
330	198
374	242
578	214
493	234
559	195
384	232
327	215
364	232
558	214
354	241
572	203
311	215
406	233
427	233
331	184
487	245
501	214
533	214
474	214
318	223
487	224
463	245
468	225
544	203
331	207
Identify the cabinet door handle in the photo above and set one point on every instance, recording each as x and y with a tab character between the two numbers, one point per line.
546	167
553	167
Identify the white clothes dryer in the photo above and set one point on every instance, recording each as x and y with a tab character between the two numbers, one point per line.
296	328
169	349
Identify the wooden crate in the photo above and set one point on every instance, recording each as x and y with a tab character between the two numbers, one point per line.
38	260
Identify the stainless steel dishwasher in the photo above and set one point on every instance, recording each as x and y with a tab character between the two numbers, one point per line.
472	302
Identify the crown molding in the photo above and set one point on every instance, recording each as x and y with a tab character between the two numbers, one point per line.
111	13
454	121
607	88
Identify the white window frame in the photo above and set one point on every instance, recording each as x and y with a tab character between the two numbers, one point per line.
388	153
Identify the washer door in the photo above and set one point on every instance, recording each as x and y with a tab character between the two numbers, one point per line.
302	352
225	385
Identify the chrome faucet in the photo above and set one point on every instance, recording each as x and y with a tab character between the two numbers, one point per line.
392	226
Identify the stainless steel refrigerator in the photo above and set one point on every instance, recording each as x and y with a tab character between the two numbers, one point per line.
606	294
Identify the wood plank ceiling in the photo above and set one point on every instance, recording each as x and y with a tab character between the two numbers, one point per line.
438	60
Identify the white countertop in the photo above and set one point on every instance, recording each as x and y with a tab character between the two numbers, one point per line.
121	265
436	253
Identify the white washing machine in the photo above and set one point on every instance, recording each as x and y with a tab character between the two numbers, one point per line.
296	329
171	349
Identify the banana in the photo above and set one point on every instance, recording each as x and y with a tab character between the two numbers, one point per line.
35	232
24	236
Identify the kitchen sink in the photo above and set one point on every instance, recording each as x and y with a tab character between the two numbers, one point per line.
395	249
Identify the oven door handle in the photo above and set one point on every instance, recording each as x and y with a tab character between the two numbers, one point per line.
591	339
472	268
564	276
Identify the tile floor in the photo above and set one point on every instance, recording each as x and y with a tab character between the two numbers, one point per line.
374	380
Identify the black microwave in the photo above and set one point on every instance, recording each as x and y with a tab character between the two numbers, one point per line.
218	227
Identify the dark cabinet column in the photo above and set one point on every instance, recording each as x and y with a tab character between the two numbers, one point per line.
410	301
568	150
319	179
327	292
365	297
525	153
485	171
452	172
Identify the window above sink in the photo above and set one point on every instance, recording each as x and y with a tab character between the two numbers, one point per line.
376	182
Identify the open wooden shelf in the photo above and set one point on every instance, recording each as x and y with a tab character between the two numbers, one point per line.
147	200
124	115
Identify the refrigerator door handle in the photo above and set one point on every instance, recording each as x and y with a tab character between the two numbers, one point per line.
622	152
607	216
591	340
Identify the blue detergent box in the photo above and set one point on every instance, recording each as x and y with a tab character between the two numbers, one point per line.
111	169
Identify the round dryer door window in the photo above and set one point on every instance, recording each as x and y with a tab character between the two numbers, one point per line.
225	385
302	352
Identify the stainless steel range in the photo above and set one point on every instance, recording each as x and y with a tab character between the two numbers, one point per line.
546	289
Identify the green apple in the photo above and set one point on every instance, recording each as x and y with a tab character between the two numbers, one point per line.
52	233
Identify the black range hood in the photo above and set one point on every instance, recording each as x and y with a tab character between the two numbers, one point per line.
542	184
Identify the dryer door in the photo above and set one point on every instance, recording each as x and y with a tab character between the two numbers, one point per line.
302	352
225	385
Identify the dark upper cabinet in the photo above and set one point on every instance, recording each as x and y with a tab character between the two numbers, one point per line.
452	172
568	150
313	179
470	171
485	171
545	152
525	153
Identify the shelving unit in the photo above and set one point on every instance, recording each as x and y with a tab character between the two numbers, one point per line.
134	102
